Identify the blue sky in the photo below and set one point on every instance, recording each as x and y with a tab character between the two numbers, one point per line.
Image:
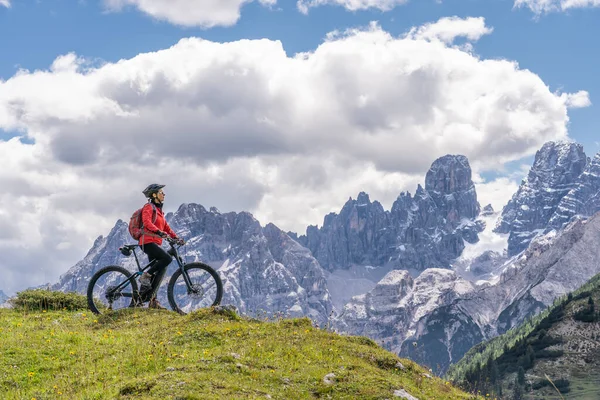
562	48
246	127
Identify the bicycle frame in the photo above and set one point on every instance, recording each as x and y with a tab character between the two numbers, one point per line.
172	251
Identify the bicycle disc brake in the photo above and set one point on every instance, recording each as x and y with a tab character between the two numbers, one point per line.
196	291
112	294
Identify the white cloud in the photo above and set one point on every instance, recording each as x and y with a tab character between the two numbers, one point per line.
352	5
547	6
202	13
5	3
566	4
242	126
538	6
580	99
498	191
449	28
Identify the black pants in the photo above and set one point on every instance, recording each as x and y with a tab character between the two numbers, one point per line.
155	252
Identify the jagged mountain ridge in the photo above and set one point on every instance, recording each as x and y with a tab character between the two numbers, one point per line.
254	278
428	230
583	199
437	322
3	297
555	172
521	291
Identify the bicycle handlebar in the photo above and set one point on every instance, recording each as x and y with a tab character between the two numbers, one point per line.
174	241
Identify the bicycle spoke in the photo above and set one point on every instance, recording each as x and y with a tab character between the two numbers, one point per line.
205	290
110	289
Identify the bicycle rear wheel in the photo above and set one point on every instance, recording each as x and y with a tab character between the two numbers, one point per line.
111	288
206	288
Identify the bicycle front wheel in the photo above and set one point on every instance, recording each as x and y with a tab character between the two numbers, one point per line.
111	288
205	288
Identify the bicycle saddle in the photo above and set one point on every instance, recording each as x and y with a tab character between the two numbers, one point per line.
126	249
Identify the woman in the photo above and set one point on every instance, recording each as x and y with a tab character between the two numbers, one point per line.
155	227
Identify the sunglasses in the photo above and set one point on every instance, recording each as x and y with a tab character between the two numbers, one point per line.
161	192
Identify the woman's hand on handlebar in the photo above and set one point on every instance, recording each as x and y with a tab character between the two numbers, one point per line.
176	240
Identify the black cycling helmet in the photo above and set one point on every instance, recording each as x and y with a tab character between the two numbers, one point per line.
153	188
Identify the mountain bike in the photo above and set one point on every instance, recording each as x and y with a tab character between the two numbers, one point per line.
193	285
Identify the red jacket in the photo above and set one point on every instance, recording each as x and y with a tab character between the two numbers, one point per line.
160	223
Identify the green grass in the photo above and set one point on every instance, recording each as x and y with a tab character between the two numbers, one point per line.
157	354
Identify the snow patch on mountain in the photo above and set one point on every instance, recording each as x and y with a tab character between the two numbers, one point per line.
482	262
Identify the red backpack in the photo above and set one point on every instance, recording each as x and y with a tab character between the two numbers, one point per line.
136	225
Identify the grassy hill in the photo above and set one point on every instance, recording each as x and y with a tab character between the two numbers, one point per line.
209	354
555	355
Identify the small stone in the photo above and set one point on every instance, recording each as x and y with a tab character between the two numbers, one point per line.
227	307
170	369
399	365
427	376
404	394
236	356
329	379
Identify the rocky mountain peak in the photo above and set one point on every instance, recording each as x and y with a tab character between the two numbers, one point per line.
352	237
403	202
449	174
422	231
557	164
363	199
555	171
583	200
449	183
487	210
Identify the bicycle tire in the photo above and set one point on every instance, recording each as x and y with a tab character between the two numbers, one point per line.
187	267
102	271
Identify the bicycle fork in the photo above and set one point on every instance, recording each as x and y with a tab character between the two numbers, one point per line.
186	278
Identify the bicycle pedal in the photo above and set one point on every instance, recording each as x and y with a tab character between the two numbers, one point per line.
145	296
